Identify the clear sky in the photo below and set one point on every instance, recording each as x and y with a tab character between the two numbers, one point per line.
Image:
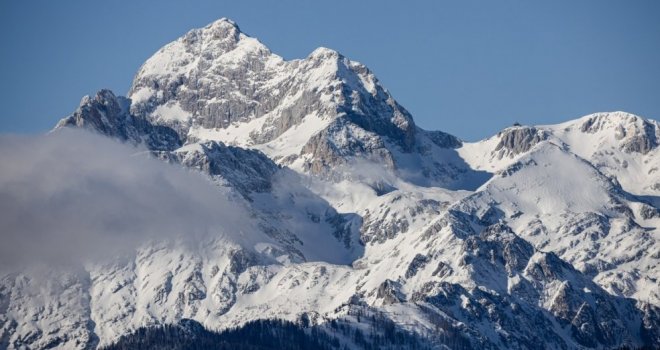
466	67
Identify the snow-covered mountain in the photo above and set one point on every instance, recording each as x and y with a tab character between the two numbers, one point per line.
538	237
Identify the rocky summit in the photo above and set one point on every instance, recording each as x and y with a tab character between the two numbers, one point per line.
539	237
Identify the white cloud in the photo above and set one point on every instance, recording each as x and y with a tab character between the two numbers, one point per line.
73	194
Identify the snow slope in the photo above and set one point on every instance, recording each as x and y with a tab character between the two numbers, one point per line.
538	236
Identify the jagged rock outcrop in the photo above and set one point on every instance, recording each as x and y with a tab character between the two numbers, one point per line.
108	114
635	134
243	170
218	84
517	140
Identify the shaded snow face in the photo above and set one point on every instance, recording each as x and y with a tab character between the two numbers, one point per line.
73	194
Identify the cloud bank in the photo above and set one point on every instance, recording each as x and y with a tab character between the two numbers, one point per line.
73	193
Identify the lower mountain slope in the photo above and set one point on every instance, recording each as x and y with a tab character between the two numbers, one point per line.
432	261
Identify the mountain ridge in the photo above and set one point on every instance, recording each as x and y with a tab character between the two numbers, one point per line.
538	235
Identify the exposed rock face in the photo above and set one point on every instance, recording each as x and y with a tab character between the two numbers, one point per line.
517	140
389	292
648	212
385	222
198	73
244	170
339	143
499	245
636	135
418	262
216	78
107	114
644	141
497	260
444	140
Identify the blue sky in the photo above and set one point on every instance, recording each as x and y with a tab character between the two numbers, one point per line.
466	67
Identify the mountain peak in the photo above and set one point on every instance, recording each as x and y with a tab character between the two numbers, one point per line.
224	28
324	53
217	77
224	21
634	133
614	116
